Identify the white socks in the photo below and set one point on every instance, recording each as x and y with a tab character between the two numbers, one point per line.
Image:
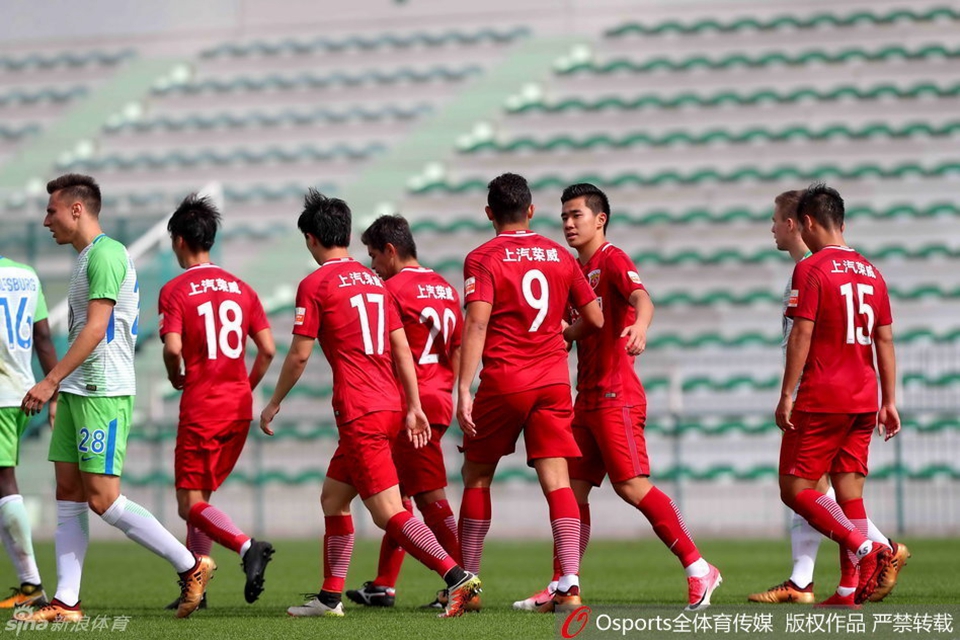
804	543
572	580
141	527
697	569
876	535
15	532
71	539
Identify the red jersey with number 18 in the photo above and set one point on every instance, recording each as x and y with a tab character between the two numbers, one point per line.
846	298
346	307
529	280
214	312
430	311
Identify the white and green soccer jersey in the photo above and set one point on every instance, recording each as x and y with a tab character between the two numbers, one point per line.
21	304
104	270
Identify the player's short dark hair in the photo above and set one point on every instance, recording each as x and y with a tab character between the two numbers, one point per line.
393	230
509	198
326	219
196	221
78	187
592	196
788	201
823	204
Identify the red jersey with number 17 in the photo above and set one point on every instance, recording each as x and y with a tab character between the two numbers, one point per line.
346	307
214	312
529	280
846	298
430	311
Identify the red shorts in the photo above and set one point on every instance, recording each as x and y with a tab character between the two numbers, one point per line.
826	442
363	458
420	470
544	416
206	453
612	443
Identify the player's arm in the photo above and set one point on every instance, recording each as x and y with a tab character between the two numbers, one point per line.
590	320
416	423
888	418
471	350
173	358
798	346
266	350
92	333
455	356
47	355
636	334
290	372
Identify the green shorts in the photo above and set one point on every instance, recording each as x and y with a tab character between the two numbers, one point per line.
12	423
92	432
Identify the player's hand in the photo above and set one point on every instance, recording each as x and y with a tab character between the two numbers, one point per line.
465	413
888	421
266	417
636	339
176	381
52	411
418	427
783	414
39	395
563	331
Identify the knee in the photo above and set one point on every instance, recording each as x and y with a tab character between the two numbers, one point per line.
787	496
183	509
100	503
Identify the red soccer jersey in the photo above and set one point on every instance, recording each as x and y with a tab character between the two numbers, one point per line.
430	311
214	312
529	280
846	298
605	373
346	306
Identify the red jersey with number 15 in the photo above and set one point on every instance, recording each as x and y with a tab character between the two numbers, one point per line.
214	312
846	298
529	280
346	307
430	311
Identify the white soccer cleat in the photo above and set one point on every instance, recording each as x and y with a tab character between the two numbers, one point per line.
314	608
536	601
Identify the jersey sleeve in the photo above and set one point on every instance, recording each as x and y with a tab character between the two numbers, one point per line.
171	314
624	275
477	281
394	321
106	270
306	319
804	299
258	317
40	313
581	293
884	314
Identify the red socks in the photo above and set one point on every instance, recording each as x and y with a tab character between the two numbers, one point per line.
565	522
419	541
337	549
439	517
391	557
217	525
668	524
475	513
826	516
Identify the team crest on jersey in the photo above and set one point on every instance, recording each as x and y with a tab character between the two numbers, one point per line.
594	278
634	277
794	298
299	314
469	286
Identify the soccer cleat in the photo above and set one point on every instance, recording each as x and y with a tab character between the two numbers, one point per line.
460	595
700	589
372	595
474	604
254	563
56	611
26	595
784	592
537	600
314	608
871	567
440	602
193	584
888	579
563	601
173	606
837	600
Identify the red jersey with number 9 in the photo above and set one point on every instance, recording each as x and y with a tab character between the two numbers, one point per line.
346	307
430	311
214	312
529	280
846	298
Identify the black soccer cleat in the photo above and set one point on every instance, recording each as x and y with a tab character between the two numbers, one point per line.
371	595
254	564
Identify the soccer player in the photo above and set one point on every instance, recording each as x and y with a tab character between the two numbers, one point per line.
430	311
206	314
841	319
347	307
97	386
517	287
804	539
23	330
611	406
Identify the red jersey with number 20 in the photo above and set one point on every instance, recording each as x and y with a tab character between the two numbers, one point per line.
214	312
605	373
846	298
430	311
529	280
346	307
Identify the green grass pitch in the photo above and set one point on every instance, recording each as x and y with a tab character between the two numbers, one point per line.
122	579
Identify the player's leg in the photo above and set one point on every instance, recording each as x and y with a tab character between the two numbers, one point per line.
381	591
14	522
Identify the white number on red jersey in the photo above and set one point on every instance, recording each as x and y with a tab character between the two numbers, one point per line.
856	333
357	303
429	314
231	322
541	303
